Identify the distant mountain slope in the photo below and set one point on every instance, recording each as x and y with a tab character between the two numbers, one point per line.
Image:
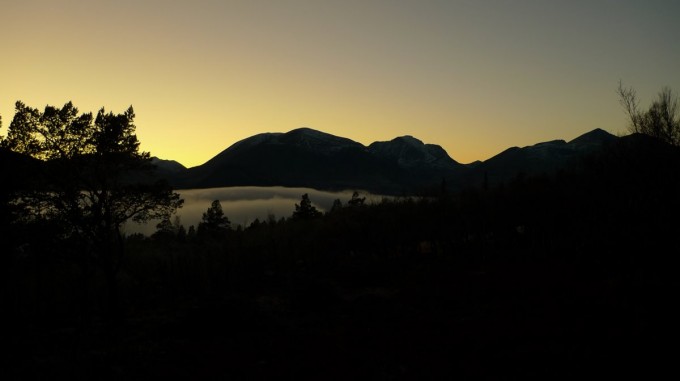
409	152
404	165
545	157
310	158
592	140
167	165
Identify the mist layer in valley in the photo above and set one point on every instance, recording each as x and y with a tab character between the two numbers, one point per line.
242	205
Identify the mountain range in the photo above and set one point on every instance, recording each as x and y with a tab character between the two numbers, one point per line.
404	165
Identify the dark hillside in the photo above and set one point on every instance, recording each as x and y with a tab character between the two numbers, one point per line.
541	158
551	276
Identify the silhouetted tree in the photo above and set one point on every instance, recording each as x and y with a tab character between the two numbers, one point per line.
91	179
356	201
337	206
305	210
181	231
166	230
660	121
255	224
214	221
191	233
271	219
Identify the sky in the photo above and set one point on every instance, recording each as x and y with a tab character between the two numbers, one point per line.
475	77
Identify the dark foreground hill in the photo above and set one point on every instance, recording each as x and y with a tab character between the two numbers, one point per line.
554	276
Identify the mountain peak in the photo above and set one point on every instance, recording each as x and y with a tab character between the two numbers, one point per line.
591	141
408	139
167	165
317	141
410	152
596	136
308	131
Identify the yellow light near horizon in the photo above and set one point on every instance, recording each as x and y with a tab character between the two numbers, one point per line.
201	78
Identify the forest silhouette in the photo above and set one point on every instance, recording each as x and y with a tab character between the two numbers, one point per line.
553	275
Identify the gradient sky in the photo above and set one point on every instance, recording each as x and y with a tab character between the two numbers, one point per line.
475	76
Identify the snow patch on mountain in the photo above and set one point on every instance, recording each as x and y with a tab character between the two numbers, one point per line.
317	141
410	152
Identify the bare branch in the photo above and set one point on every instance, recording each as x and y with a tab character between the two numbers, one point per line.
660	121
628	99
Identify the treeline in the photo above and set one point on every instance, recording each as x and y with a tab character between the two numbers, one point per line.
576	267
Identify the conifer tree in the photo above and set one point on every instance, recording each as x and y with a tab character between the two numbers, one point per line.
305	210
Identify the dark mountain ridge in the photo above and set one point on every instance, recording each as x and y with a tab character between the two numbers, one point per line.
409	152
545	157
404	165
168	165
309	158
